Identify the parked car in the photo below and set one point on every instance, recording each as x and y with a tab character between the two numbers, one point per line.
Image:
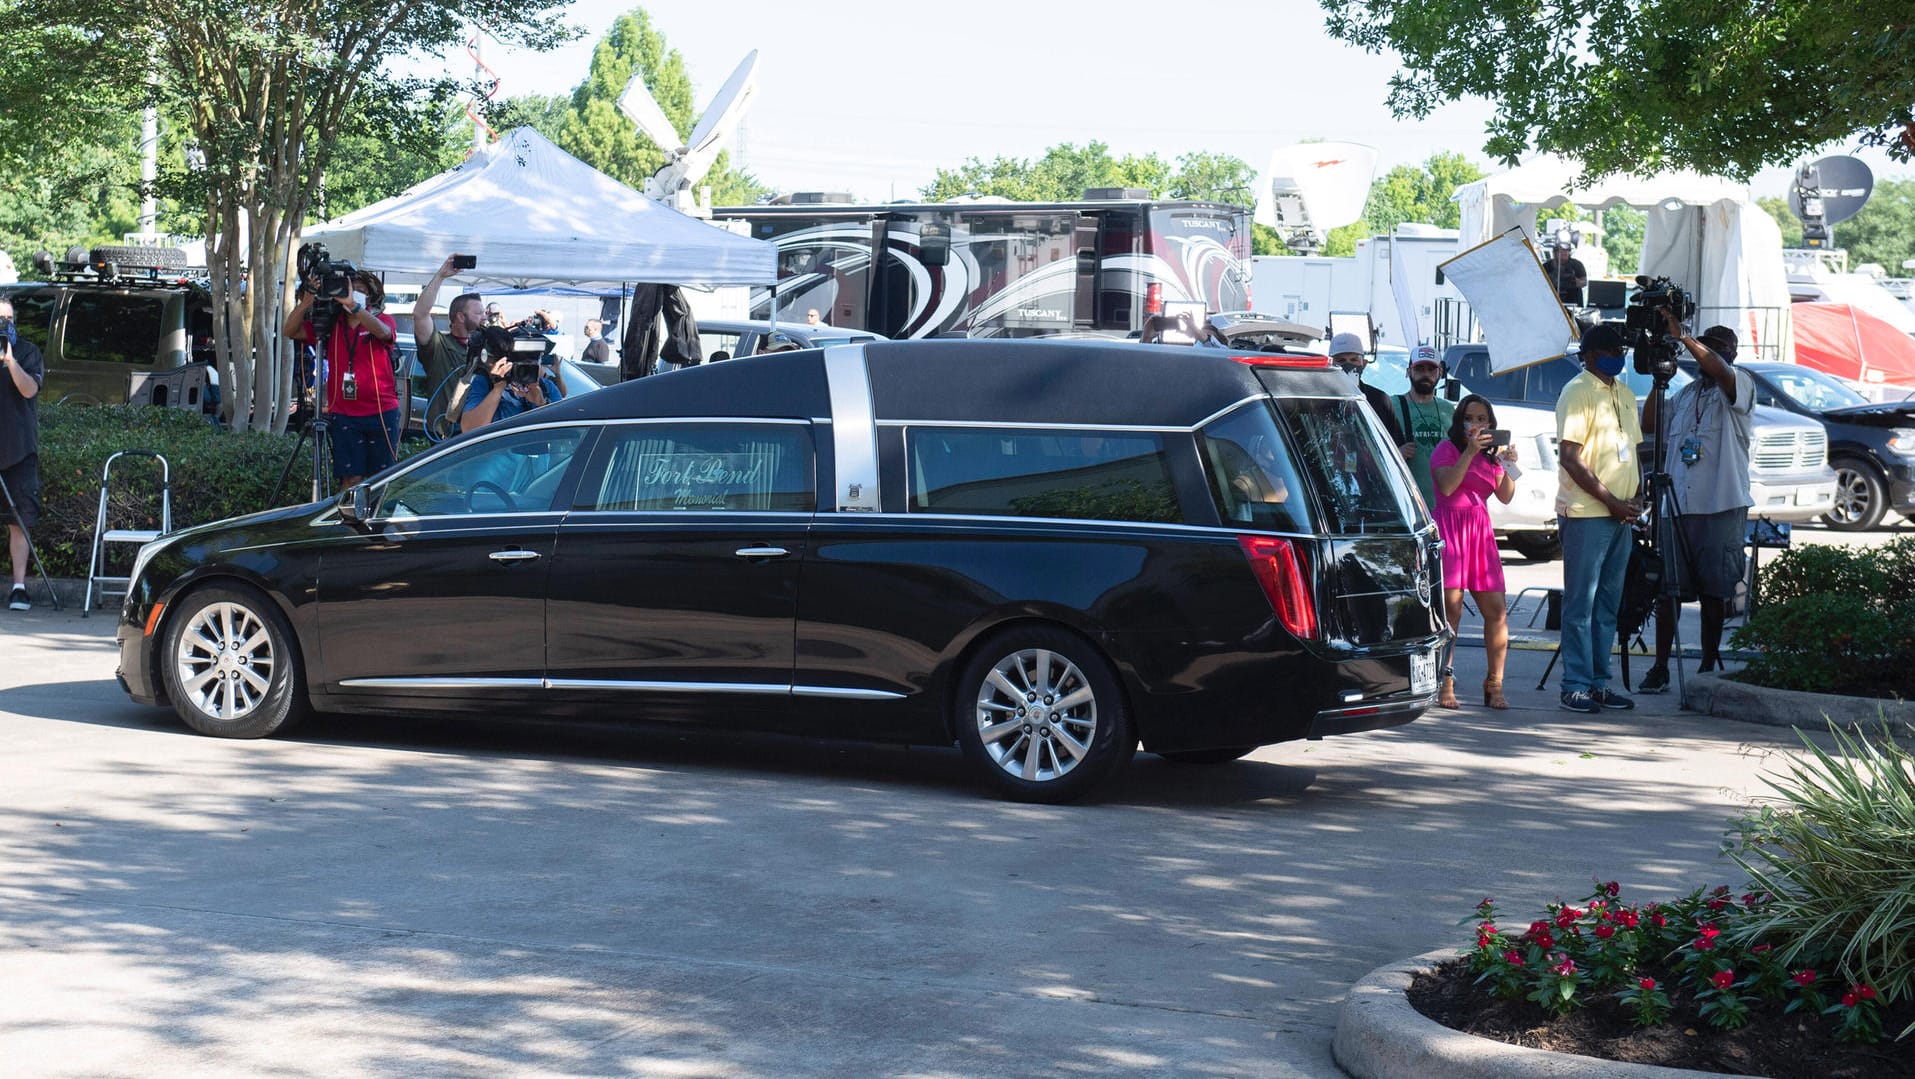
120	312
1871	446
999	543
1789	474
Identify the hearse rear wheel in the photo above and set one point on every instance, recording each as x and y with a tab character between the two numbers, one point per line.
230	664
1041	715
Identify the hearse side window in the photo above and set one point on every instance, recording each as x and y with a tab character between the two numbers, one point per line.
515	473
702	467
1253	477
1083	474
1343	458
117	329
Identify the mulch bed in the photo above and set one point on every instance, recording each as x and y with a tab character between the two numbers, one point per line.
1774	1045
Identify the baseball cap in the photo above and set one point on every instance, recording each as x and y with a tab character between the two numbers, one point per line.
1345	342
1424	354
1721	341
1603	337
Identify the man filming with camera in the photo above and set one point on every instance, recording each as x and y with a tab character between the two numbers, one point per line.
1706	430
511	382
362	391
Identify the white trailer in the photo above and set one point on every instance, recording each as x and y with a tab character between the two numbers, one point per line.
1310	289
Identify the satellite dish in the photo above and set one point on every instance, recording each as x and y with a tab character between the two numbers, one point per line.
1831	190
1313	187
637	105
687	163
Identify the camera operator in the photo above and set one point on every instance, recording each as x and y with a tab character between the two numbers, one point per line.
1706	456
442	352
1597	480
362	393
507	387
21	372
1566	274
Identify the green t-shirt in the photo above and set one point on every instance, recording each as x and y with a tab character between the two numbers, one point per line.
1426	425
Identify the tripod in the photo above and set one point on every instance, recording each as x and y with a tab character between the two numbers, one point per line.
13	511
316	426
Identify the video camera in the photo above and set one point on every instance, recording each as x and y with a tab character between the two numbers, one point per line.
525	346
325	278
1647	328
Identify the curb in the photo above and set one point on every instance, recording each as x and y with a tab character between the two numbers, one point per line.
1727	698
1380	1036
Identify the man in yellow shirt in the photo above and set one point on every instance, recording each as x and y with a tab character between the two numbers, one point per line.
1597	432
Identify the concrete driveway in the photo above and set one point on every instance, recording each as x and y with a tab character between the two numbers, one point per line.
438	898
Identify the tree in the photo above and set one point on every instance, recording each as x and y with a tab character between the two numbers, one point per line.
1622	238
1646	85
367	168
543	113
595	132
265	91
1882	233
1424	193
1063	174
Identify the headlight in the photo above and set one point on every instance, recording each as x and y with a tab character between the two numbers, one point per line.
147	551
1902	440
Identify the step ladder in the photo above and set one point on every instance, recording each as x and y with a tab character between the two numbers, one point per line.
102	535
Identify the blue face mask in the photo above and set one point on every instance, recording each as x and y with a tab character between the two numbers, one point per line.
1609	365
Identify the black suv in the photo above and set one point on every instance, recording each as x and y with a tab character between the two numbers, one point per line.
1872	446
118	312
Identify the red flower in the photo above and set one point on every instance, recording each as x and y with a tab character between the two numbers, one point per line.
1538	929
1849	1000
1750	899
1605	931
1564	968
1709	931
1513	959
1658	920
1613	888
1647	985
1704	944
1722	979
1482	942
1628	918
1803	978
1717	904
1866	992
1721	889
1486	928
1761	949
1567	916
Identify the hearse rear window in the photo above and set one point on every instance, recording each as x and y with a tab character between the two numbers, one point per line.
1253	474
1078	474
702	467
1344	461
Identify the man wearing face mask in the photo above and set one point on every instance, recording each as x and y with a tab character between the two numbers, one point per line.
1706	455
21	372
362	395
1346	351
1597	432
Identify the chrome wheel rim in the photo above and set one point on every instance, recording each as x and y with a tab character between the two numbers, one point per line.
1851	497
1036	715
225	661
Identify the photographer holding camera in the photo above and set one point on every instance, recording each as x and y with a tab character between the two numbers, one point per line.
362	392
508	384
1706	457
1597	479
21	372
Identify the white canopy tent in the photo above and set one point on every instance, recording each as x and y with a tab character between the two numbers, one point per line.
536	216
1702	232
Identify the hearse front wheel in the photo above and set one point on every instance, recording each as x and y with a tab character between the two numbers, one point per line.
230	664
1040	714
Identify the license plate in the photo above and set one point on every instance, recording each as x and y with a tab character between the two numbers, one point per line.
1423	673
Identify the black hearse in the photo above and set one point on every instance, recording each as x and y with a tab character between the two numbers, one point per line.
1043	551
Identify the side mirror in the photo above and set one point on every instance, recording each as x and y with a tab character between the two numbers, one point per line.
1452	389
355	505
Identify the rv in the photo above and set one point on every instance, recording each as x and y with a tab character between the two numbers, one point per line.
993	268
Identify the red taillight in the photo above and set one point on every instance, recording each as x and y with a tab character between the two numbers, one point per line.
1279	570
1279	359
1153	299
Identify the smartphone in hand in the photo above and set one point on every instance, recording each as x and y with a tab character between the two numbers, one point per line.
1499	437
465	262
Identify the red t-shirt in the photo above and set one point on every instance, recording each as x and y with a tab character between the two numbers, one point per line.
353	346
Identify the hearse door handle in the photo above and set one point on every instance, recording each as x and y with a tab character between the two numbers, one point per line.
513	558
761	552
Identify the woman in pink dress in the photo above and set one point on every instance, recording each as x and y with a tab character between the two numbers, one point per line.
1468	469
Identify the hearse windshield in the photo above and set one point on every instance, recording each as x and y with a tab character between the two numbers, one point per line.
1289	463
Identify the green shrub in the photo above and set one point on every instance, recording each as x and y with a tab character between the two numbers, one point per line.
1836	620
1818	570
216	474
1836	858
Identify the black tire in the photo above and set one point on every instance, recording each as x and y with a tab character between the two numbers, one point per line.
1861	498
140	258
1537	546
262	694
1208	756
1023	760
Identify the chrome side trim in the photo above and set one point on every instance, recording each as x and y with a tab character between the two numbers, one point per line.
1228	409
1028	426
444	683
667	687
854	437
842	693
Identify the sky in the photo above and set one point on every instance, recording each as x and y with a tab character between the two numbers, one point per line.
873	97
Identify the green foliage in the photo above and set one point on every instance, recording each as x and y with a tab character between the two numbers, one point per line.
1882	233
1067	170
1622	239
369	167
215	474
1421	193
1836	856
1836	619
543	113
1647	85
1265	240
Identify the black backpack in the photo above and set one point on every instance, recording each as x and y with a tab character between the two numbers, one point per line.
1641	585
